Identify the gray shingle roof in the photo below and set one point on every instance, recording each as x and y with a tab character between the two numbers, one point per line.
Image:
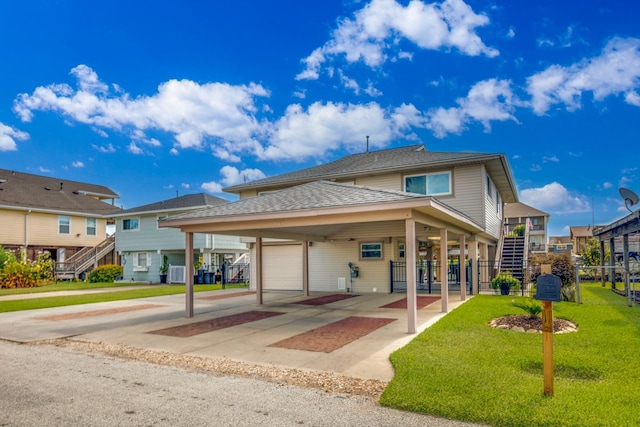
314	195
189	201
402	158
23	190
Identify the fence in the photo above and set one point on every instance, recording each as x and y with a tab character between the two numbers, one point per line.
428	277
225	274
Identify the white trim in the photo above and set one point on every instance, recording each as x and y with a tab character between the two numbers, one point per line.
86	227
131	229
68	224
136	261
426	175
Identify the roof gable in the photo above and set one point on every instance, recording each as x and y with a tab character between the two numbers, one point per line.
520	210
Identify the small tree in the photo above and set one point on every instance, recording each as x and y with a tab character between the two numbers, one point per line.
590	252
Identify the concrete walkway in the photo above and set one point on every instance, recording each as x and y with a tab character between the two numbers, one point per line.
130	322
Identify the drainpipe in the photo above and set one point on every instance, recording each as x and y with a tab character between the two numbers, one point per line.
26	234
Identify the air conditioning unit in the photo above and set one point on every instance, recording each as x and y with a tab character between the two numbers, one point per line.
177	273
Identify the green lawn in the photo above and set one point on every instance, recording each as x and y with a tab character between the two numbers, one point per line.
59	301
64	286
462	369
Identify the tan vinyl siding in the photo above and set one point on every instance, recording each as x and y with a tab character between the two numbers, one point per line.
493	220
12	227
468	191
329	261
388	181
43	230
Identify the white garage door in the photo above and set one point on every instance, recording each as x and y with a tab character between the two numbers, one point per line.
282	267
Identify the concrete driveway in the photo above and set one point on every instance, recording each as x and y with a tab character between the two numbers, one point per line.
352	336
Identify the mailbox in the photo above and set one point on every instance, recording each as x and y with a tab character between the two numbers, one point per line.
548	288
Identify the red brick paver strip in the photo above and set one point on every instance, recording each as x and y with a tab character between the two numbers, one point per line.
327	299
205	326
224	296
92	313
331	337
422	302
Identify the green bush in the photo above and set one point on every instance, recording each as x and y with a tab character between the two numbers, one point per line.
505	277
16	272
529	305
519	230
105	273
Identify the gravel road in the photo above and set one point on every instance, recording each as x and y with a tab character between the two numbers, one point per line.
47	385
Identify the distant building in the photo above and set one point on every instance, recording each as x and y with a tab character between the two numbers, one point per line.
536	220
41	213
560	244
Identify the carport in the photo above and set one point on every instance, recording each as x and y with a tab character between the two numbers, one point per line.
317	211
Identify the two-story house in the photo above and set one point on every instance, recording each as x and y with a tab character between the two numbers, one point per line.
340	224
143	244
535	220
41	213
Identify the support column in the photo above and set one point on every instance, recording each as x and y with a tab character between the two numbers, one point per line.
463	268
484	257
444	270
612	262
188	259
258	267
602	270
410	254
473	257
305	267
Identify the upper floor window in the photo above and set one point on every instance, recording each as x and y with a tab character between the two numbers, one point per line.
498	203
432	184
130	224
489	187
64	224
92	226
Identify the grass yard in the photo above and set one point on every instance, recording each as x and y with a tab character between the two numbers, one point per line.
462	369
59	301
63	286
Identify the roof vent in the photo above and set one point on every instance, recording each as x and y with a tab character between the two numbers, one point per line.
61	184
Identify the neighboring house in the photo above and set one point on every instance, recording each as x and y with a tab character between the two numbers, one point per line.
535	220
62	217
346	220
143	244
560	244
580	235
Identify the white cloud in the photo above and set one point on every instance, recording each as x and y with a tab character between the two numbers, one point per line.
44	170
185	185
104	148
322	128
607	185
615	71
547	159
192	112
554	198
134	149
378	27
232	176
487	101
77	164
8	137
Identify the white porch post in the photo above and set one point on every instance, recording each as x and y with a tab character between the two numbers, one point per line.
188	256
473	257
259	270
463	269
444	271
410	248
305	267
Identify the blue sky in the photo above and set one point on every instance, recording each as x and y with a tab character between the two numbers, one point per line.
154	98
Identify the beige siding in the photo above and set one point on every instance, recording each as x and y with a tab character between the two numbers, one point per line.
468	191
388	182
12	227
493	219
43	230
329	261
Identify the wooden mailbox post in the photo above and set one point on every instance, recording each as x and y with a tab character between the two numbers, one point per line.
547	290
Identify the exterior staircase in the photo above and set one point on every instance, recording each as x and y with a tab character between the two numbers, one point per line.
84	260
513	256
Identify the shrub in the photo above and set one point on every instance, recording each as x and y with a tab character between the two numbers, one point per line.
561	266
519	230
506	278
15	272
531	306
105	273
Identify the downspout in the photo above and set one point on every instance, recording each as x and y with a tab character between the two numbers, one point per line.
26	234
